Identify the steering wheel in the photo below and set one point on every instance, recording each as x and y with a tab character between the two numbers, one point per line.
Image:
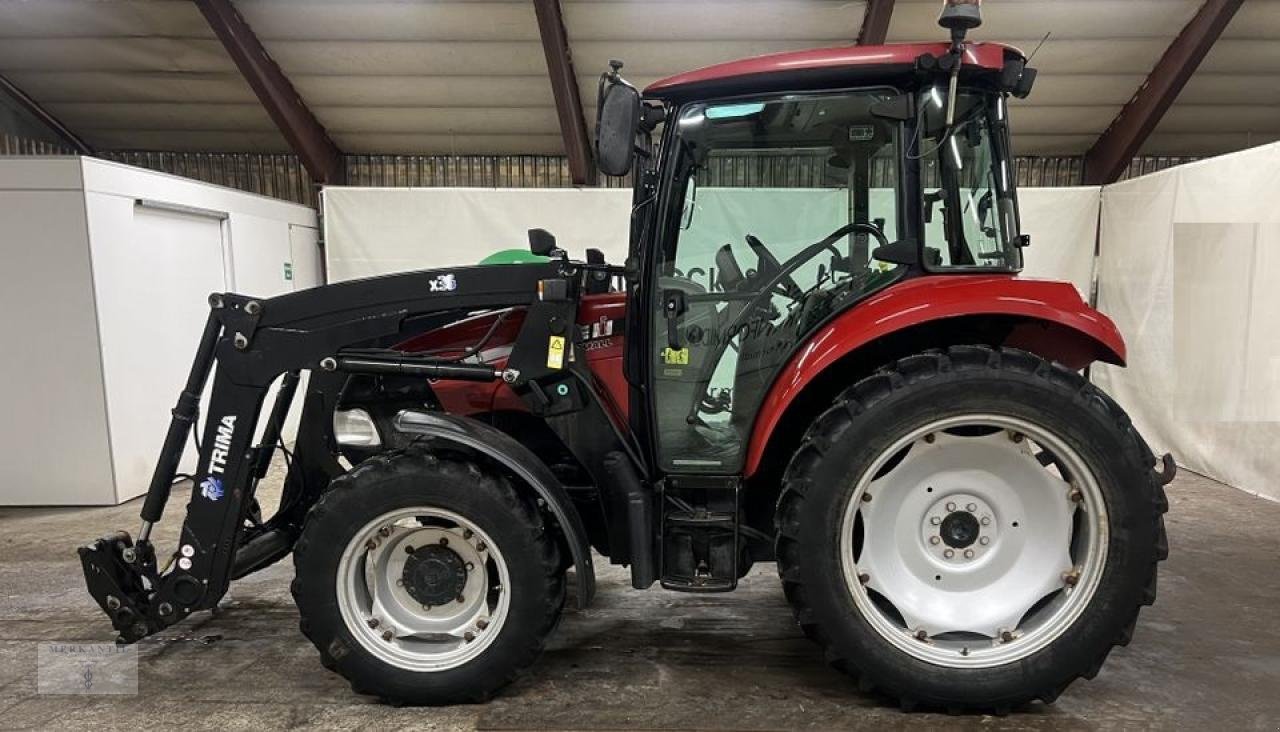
778	277
778	274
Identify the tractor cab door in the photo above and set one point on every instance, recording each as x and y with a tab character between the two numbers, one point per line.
776	207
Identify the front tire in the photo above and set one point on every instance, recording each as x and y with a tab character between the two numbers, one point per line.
970	529
427	580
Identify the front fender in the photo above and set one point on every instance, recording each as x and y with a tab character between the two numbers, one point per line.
1055	324
475	436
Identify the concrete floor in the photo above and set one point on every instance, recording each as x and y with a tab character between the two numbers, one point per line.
1206	656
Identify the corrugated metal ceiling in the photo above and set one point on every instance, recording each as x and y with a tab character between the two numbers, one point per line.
470	77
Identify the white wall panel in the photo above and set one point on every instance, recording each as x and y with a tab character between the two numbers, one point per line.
111	284
54	422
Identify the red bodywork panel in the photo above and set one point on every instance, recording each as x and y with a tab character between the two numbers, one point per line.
986	55
923	299
1077	335
603	354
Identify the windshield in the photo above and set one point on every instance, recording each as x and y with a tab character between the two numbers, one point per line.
970	209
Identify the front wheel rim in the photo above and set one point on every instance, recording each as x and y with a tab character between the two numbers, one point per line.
423	589
974	541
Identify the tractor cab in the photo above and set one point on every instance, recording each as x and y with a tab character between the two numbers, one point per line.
774	193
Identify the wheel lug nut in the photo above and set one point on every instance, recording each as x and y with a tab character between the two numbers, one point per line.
387	635
1005	636
935	540
863	577
971	507
480	546
951	506
935	520
461	598
929	438
370	545
866	497
384	531
986	520
949	553
482	624
1075	495
373	622
470	566
984	540
921	635
408	550
467	533
1071	578
1015	436
968	554
468	636
444	541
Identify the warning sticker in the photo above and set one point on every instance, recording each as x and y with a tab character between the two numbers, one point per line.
555	352
675	356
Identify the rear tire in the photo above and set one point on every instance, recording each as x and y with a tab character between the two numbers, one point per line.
427	526
869	626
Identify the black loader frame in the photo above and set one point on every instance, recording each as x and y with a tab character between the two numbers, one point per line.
334	332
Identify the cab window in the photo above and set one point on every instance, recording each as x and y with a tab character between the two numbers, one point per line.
785	202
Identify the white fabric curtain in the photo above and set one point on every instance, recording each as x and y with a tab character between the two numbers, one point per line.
1190	272
372	231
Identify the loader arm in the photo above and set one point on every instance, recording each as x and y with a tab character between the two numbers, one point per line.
332	331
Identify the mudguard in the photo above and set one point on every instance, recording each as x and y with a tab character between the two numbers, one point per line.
1057	325
497	445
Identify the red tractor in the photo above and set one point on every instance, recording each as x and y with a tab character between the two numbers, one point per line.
818	353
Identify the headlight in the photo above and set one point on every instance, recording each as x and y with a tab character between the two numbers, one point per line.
355	427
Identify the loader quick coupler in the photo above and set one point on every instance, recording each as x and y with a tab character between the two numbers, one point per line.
117	572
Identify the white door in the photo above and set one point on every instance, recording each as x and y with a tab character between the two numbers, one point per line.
153	271
307	257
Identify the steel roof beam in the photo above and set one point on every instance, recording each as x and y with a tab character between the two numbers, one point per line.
564	86
1109	157
44	116
304	133
875	24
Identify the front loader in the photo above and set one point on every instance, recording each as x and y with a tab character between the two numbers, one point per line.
817	353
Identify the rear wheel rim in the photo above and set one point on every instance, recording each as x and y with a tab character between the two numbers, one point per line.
974	541
434	611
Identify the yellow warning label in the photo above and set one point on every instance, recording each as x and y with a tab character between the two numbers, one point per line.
555	352
675	356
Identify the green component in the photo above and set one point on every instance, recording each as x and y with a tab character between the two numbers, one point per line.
563	390
513	256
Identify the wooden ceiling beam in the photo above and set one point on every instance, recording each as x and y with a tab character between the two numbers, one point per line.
875	23
564	86
304	133
44	116
1110	156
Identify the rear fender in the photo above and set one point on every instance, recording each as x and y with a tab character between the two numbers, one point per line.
1044	317
496	446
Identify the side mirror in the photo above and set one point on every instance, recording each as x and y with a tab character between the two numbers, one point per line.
617	121
542	242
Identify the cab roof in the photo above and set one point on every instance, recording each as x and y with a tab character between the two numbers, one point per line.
817	68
